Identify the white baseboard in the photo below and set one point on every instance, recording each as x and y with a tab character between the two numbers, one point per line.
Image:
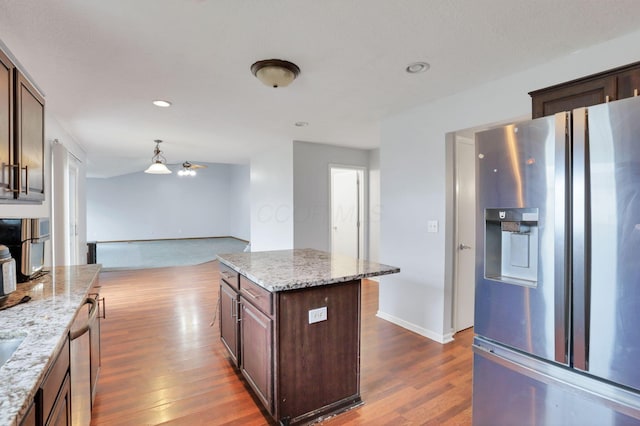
440	338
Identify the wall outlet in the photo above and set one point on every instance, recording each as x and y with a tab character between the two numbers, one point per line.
317	315
432	226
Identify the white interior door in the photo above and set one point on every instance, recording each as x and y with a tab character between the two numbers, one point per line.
465	233
347	211
72	211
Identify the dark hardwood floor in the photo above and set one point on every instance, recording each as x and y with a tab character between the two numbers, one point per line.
162	363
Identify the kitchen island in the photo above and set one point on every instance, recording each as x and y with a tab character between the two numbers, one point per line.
43	325
291	322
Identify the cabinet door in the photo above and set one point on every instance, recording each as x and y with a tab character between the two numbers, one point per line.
256	348
6	126
574	95
61	412
229	327
629	83
30	140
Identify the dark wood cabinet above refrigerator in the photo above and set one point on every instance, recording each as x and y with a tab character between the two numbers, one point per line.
612	85
21	136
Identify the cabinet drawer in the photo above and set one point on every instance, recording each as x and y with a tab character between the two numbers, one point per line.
228	275
55	378
257	295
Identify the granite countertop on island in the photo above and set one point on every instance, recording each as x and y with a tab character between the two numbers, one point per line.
44	322
283	270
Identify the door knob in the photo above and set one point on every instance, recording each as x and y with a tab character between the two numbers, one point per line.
463	246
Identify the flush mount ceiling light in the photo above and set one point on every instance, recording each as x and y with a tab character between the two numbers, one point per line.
162	103
158	162
301	124
275	72
417	67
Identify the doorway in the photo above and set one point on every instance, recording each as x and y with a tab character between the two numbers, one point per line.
347	211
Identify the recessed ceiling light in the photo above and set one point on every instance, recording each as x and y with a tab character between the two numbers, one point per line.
301	124
161	103
417	67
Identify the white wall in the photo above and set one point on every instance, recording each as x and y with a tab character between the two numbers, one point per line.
272	199
239	203
311	190
140	206
413	180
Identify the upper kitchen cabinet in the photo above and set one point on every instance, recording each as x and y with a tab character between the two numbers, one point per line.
611	85
629	82
21	136
6	126
29	138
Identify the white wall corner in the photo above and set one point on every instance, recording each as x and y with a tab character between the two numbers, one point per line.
430	334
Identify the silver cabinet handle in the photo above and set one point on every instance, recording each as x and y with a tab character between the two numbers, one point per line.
12	178
26	179
250	293
463	247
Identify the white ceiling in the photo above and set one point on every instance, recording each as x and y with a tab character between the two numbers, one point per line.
102	62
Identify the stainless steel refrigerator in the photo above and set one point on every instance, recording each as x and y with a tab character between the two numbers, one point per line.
557	307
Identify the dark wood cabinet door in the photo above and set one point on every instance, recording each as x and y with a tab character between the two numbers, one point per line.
61	412
229	327
257	348
6	126
573	95
629	83
29	131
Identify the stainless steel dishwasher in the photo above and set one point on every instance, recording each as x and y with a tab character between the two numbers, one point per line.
80	337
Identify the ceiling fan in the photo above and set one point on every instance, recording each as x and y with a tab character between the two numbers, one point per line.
189	169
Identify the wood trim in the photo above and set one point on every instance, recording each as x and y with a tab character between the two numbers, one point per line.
587	78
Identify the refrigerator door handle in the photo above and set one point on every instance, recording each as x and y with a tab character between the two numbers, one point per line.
562	237
581	242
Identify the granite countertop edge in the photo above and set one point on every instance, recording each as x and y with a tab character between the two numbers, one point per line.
293	283
44	322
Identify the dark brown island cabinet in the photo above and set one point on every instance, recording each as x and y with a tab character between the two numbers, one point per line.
615	84
299	349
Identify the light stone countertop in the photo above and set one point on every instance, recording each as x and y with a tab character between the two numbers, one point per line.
283	270
45	322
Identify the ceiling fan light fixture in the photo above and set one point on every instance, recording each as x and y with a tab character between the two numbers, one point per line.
275	72
158	162
188	169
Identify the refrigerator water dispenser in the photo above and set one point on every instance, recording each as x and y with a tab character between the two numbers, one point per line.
511	246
